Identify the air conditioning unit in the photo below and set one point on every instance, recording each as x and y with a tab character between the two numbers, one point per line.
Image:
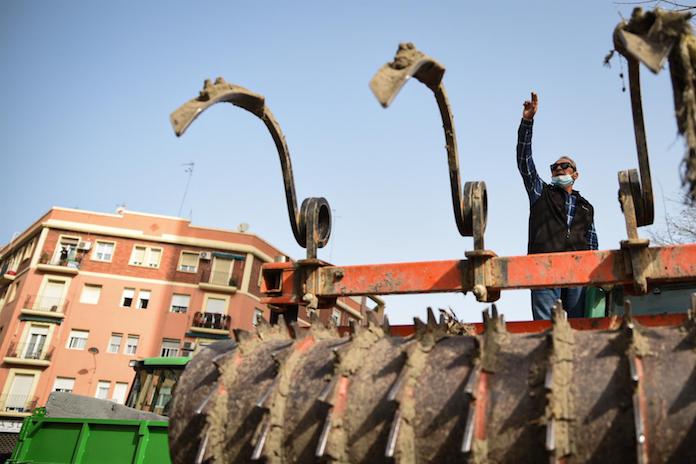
189	347
205	255
86	246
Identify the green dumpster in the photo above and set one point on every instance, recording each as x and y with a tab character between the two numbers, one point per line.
98	441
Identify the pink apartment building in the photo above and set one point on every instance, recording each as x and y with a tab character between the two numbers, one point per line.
84	293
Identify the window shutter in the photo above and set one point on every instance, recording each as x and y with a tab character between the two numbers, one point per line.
189	259
138	255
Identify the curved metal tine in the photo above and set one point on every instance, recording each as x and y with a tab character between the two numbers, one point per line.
221	91
386	84
646	212
636	49
409	62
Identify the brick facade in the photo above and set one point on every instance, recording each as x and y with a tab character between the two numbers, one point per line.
48	303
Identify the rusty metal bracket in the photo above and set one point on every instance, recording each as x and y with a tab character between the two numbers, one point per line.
470	205
311	225
636	256
479	257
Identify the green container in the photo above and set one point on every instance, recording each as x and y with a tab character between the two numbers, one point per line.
91	441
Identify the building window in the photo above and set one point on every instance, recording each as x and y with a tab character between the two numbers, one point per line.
222	271
103	251
90	294
180	303
115	342
66	250
15	259
77	339
36	339
29	249
51	297
170	348
64	384
127	297
215	305
12	292
143	299
188	261
120	390
336	317
145	256
18	399
132	345
258	315
103	389
153	257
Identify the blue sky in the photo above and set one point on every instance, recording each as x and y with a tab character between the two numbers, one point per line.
87	88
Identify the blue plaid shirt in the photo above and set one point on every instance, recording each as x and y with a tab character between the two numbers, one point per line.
534	185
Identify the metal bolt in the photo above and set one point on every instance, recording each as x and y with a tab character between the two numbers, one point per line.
480	292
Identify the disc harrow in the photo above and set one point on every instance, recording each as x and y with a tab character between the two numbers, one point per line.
288	394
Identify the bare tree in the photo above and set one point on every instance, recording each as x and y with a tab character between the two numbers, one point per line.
666	4
680	223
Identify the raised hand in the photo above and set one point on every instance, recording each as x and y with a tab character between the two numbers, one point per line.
530	107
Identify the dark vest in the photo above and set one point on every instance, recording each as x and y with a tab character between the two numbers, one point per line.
548	231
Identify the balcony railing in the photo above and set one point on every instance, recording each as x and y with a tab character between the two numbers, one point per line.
45	303
212	321
29	350
17	402
72	263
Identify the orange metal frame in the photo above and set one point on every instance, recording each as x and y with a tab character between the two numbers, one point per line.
286	283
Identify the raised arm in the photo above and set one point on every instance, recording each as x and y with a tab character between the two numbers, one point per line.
525	164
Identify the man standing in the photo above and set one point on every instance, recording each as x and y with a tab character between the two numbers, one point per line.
560	219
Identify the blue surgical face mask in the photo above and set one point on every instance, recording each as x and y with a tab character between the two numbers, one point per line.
562	181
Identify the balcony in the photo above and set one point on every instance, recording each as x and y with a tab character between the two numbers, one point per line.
214	323
218	281
45	306
60	266
7	276
29	354
17	404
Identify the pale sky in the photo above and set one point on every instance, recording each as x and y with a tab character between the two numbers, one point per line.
87	88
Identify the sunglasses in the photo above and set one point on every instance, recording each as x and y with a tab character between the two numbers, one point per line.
564	166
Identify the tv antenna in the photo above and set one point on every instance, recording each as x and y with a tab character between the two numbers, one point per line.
189	170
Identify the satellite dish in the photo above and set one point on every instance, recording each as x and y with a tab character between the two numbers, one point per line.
243	227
